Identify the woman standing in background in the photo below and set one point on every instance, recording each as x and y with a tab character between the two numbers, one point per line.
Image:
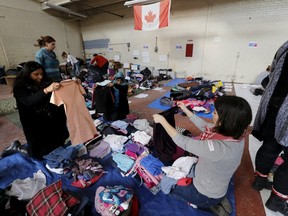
74	63
271	127
47	57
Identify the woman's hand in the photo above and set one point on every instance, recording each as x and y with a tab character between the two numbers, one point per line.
169	129
94	86
110	84
181	105
184	109
158	118
78	81
54	86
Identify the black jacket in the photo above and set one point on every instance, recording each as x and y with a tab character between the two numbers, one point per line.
104	98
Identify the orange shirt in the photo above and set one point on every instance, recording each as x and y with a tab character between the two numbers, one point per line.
79	122
99	60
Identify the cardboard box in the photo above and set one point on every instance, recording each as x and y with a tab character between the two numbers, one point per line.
10	81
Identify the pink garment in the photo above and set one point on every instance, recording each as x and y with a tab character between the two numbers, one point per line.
279	160
79	122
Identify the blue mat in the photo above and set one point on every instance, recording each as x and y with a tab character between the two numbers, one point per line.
20	166
175	82
156	105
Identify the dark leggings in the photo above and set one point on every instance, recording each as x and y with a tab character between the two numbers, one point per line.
265	158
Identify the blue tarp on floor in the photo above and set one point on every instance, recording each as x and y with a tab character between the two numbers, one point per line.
21	166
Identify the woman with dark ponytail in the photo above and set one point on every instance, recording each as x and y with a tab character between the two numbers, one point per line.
44	124
47	57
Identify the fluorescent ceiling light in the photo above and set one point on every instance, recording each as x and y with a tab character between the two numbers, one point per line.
135	2
63	9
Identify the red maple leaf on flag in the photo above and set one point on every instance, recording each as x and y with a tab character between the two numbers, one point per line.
150	17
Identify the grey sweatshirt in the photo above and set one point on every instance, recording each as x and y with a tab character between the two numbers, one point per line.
218	160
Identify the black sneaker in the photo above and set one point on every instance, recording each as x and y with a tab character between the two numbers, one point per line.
95	116
226	205
277	204
261	183
14	145
23	148
219	210
12	149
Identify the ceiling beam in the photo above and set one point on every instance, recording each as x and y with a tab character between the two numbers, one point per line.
98	7
135	2
63	9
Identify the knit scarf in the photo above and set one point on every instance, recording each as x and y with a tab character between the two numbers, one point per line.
281	132
210	134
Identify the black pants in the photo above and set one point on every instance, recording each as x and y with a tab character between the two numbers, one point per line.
265	158
104	68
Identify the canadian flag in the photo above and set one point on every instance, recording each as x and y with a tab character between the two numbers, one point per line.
151	17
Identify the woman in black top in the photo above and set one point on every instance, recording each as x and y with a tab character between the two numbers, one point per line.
44	124
270	126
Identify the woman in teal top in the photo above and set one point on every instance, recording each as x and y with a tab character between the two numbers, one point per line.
47	57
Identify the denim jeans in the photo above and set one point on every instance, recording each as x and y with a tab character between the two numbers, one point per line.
191	195
76	69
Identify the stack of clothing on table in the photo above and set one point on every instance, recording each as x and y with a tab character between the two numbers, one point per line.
134	150
129	140
202	90
198	94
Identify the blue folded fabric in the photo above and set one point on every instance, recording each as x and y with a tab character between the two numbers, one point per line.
124	162
152	164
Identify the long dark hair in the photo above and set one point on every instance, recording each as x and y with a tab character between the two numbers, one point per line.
45	39
64	54
234	116
23	77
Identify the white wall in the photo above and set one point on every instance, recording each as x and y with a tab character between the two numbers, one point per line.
220	29
22	22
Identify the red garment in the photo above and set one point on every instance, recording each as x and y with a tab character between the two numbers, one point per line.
51	201
134	207
83	184
184	181
99	60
